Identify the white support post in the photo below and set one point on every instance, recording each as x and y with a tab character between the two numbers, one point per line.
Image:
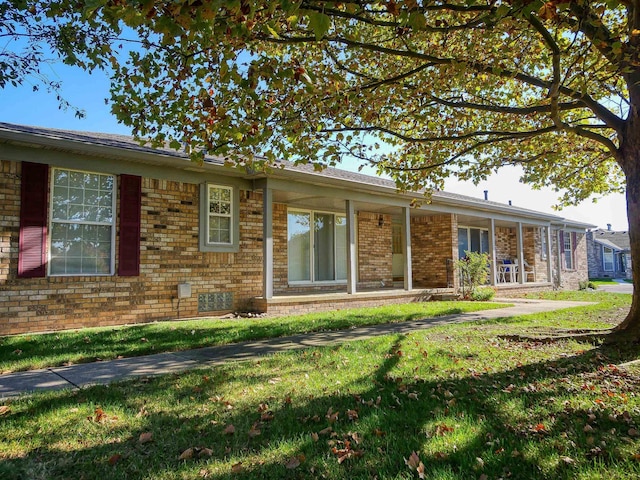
267	243
352	268
548	252
520	253
493	274
559	239
406	248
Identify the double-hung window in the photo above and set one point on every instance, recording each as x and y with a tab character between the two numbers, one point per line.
317	246
607	258
82	223
568	250
219	218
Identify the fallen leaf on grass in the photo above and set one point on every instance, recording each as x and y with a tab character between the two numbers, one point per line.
99	417
539	428
237	468
292	463
331	415
378	433
114	459
568	460
415	464
254	431
314	436
266	416
4	409
188	453
230	430
145	437
443	429
633	432
205	452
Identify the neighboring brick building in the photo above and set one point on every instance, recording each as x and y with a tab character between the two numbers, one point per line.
98	230
609	253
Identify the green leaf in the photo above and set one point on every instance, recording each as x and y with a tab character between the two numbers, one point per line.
417	20
319	23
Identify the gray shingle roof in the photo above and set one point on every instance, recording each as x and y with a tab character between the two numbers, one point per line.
128	143
614	239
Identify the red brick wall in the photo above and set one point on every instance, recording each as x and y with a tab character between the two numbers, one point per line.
506	244
532	249
570	279
375	256
434	240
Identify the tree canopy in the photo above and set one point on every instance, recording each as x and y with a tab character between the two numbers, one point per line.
423	89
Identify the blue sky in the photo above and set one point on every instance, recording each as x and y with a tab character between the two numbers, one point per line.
87	92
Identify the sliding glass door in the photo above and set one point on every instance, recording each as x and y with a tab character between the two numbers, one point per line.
317	254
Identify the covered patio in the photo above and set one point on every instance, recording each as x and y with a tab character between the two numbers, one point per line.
327	248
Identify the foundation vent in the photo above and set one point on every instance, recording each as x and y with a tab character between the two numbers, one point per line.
215	302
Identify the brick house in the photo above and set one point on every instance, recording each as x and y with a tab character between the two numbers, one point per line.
98	230
609	253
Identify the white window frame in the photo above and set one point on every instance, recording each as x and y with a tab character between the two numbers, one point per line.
481	229
112	224
544	245
568	246
312	247
210	187
604	259
234	236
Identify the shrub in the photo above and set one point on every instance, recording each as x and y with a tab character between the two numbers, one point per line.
483	294
474	271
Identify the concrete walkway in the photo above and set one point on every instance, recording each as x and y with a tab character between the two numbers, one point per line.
620	286
86	374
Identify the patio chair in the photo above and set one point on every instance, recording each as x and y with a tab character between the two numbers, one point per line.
528	270
507	267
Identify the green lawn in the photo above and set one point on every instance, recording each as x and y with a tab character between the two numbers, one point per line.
469	403
602	281
26	352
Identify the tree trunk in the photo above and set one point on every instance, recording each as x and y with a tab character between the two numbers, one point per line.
629	159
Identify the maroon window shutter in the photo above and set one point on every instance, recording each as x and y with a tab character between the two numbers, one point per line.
129	246
574	240
32	259
561	241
